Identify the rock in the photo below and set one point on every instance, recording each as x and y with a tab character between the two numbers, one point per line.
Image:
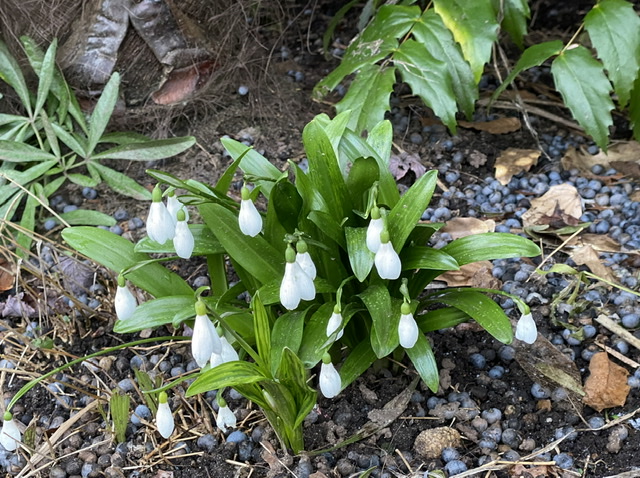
430	443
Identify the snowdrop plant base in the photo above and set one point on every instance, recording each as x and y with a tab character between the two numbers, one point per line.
335	215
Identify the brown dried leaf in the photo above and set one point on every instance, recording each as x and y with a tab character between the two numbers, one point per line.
599	242
607	385
15	306
623	151
560	206
513	161
587	256
475	274
401	164
498	126
459	227
6	275
540	471
477	159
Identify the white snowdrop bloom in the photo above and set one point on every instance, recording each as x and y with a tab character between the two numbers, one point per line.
330	382
374	230
335	322
304	283
124	302
249	219
174	205
160	224
227	353
164	417
387	260
289	294
407	327
10	435
226	418
183	241
526	329
205	340
303	258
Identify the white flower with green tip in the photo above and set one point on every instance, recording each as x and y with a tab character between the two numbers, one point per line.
164	417
10	436
249	219
160	224
329	381
335	322
205	340
407	327
526	329
174	205
374	230
183	241
303	258
124	302
225	418
386	259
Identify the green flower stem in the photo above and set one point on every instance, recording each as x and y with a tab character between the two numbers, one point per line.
28	386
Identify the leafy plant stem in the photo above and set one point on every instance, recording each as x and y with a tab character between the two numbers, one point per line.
575	35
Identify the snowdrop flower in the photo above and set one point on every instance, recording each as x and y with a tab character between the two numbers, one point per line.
374	230
249	218
125	303
227	353
387	260
296	284
205	340
174	205
10	435
164	417
160	224
330	382
226	418
335	322
407	327
183	241
526	329
304	259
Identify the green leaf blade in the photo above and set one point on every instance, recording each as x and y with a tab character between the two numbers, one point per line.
151	150
155	313
423	359
119	182
103	110
385	316
516	14
589	101
360	257
227	374
489	246
11	74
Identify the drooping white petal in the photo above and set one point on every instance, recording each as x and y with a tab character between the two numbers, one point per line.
373	234
183	241
215	360
249	218
289	294
387	262
225	419
227	352
10	435
526	329
160	224
335	321
330	382
205	340
306	264
408	331
174	205
164	420
124	302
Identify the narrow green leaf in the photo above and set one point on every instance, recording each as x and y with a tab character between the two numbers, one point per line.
481	308
428	78
380	138
119	408
535	55
439	41
474	25
314	338
614	29
149	151
441	319
408	211
76	143
224	183
102	111
11	74
28	223
286	204
85	217
6	119
117	254
82	180
424	361
17	152
227	374
155	313
589	101
262	331
363	174
634	109
357	362
205	243
120	137
119	182
489	246
385	316
253	164
360	257
51	187
286	333
335	21
30	174
331	228
368	96
46	76
52	139
424	257
516	13
254	254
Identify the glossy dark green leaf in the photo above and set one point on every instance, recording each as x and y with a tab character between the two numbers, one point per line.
357	362
287	332
155	312
425	257
489	246
262	330
286	203
253	164
441	319
227	374
205	243
314	339
363	174
424	361
385	315
516	13
254	254
360	257
117	254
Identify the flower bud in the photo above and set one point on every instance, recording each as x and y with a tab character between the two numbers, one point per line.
160	224
249	218
407	327
183	241
164	417
10	435
335	322
124	302
526	329
226	418
374	229
205	340
330	382
387	260
304	259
